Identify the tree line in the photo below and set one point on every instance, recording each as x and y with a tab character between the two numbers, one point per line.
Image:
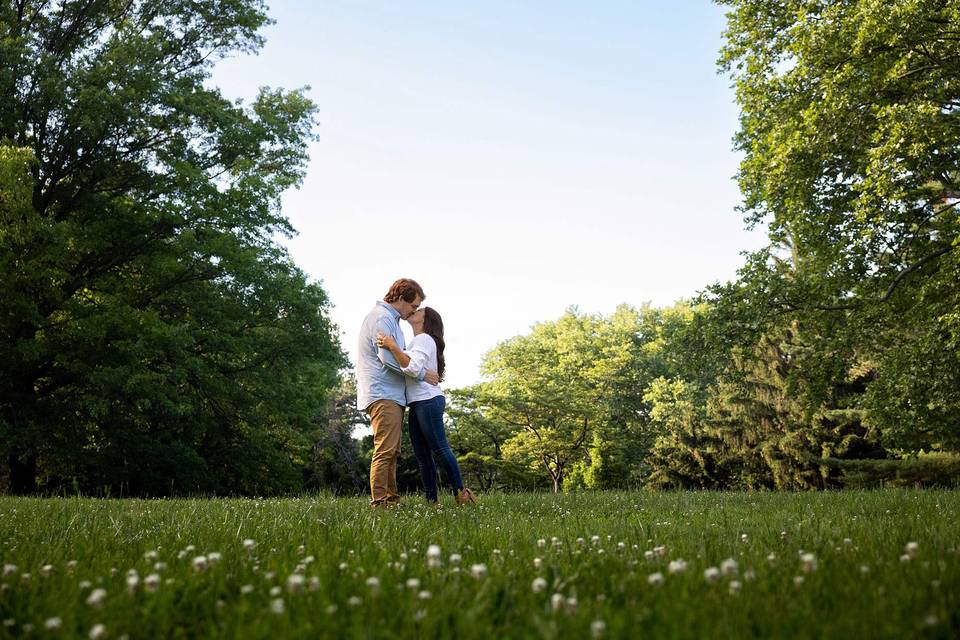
155	338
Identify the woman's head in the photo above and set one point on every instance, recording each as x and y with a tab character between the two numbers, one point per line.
429	322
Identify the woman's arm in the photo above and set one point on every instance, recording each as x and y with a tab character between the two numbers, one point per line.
388	343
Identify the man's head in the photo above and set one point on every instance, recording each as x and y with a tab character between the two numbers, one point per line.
405	296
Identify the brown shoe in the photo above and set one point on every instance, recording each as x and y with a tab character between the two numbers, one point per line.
465	496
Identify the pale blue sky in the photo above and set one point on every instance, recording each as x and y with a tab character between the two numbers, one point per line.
514	158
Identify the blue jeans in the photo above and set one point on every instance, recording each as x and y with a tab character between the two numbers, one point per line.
428	438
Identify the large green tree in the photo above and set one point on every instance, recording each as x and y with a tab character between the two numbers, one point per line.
850	129
153	335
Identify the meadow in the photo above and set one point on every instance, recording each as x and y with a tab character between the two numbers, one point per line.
879	564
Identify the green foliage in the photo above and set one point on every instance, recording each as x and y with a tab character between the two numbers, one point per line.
923	470
153	336
849	133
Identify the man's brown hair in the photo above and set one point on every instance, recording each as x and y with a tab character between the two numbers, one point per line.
406	289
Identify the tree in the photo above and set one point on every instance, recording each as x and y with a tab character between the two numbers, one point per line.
848	129
336	463
554	386
153	335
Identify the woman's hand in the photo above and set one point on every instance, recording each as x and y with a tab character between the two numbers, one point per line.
386	342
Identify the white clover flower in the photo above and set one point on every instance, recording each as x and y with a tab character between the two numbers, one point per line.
413	584
152	582
749	575
905	558
275	591
660	551
557	601
84	585
621	546
711	574
344	566
572	604
276	606
354	601
246	589
455	558
594	540
133	581
403	557
433	557
735	587
373	583
648	555
729	567
9	570
479	571
743	538
301	550
424	595
597	629
71	566
200	563
249	544
310	559
798	580
541	543
581	542
539	585
847	542
150	556
295	583
189	548
97	632
537	563
46	571
912	548
864	568
314	584
677	566
655	579
808	562
53	623
96	597
771	558
214	557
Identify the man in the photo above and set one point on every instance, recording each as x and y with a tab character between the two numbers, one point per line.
381	387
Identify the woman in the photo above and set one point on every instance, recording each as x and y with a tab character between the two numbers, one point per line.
426	402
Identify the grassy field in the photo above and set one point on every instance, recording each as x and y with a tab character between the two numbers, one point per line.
674	565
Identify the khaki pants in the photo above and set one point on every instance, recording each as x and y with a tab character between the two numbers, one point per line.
386	416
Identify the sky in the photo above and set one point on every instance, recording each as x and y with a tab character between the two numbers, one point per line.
514	158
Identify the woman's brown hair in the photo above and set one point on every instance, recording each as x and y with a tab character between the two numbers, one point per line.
433	327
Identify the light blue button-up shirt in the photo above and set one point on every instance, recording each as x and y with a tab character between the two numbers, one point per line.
379	377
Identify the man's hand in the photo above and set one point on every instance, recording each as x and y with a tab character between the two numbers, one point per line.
431	377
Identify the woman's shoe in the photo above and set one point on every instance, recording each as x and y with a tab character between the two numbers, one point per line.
464	496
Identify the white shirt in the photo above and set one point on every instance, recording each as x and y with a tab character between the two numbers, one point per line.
423	355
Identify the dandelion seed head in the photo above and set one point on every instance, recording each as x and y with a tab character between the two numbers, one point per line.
539	585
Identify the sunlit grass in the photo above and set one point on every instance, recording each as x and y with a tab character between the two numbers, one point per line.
881	564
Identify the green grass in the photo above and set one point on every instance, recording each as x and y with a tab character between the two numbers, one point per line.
860	588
